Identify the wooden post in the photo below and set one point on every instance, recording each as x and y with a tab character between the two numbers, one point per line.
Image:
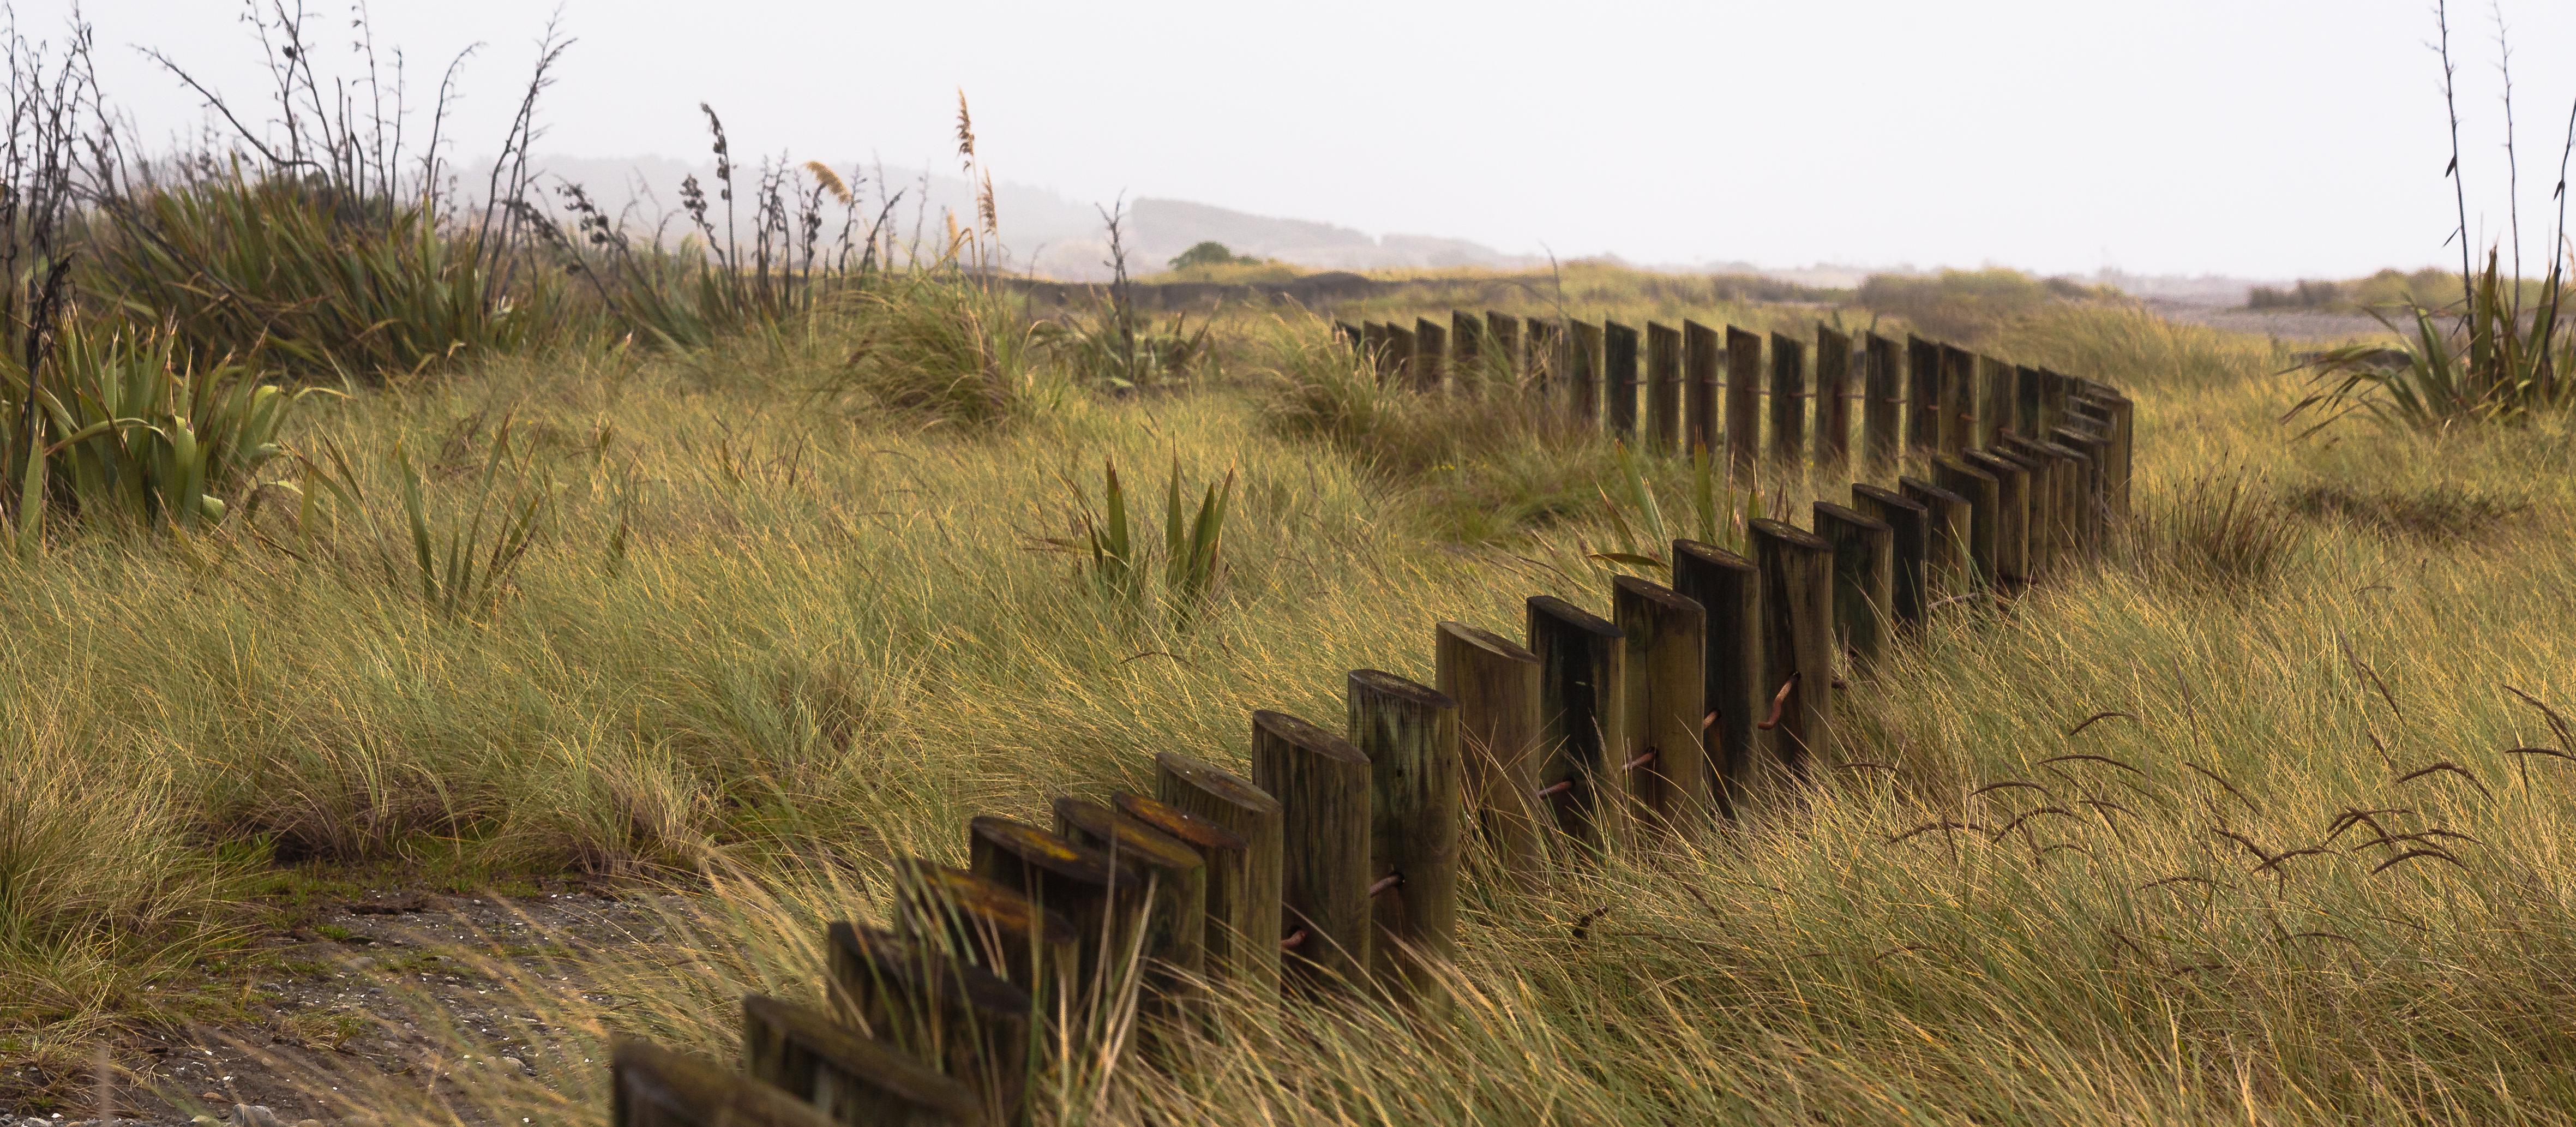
1225	859
1430	354
1798	650
1619	387
1922	396
2118	414
1995	410
1082	883
1664	390
2054	390
1246	946
1788	400
1946	567
1409	732
1666	637
1700	365
1322	784
1466	352
2026	401
1373	348
986	924
1909	549
1504	332
2012	528
1583	363
957	1018
1349	335
1581	693
1542	352
1401	366
1729	589
650	1086
1985	513
1743	397
1864	579
1958	399
1882	439
2045	491
854	1080
2093	455
1175	919
1833	398
1495	682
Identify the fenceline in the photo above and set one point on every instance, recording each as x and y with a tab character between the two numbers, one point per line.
1335	865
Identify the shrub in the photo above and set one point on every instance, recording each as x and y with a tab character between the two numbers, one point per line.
1211	253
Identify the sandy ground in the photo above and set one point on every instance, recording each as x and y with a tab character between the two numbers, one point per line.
2299	325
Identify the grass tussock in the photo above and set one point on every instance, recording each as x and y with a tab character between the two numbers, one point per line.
2226	532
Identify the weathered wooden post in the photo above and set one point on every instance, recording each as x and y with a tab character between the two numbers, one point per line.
1582	719
1349	335
2047	502
1833	399
1225	860
2012	529
1322	784
2027	399
2093	455
1175	916
1401	363
850	1078
1100	901
1947	574
1922	396
1666	636
650	1086
1995	409
1430	354
1743	397
1247	947
1864	579
1410	734
1466	352
1985	513
1373	349
1619	390
1542	355
1700	364
1728	589
1882	438
2054	391
1664	389
1909	550
960	1019
1788	400
1958	399
1495	682
1504	332
1583	365
1798	651
986	924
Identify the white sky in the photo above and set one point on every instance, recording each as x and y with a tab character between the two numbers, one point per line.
2264	138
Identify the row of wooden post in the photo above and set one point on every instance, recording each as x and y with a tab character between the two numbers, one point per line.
1691	388
1335	865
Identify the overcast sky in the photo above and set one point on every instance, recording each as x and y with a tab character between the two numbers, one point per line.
2266	138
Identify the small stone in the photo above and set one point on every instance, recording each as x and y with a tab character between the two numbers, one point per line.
521	1065
253	1115
210	1095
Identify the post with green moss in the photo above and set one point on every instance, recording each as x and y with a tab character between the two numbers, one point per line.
1985	514
1583	367
1922	396
1701	361
1410	734
1728	589
1495	682
1666	636
1582	679
1225	859
1743	398
1864	579
1619	387
1244	944
1175	917
1788	400
1882	436
1664	389
848	1077
1833	399
1909	550
1946	568
2012	528
1322	784
1094	893
1798	649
